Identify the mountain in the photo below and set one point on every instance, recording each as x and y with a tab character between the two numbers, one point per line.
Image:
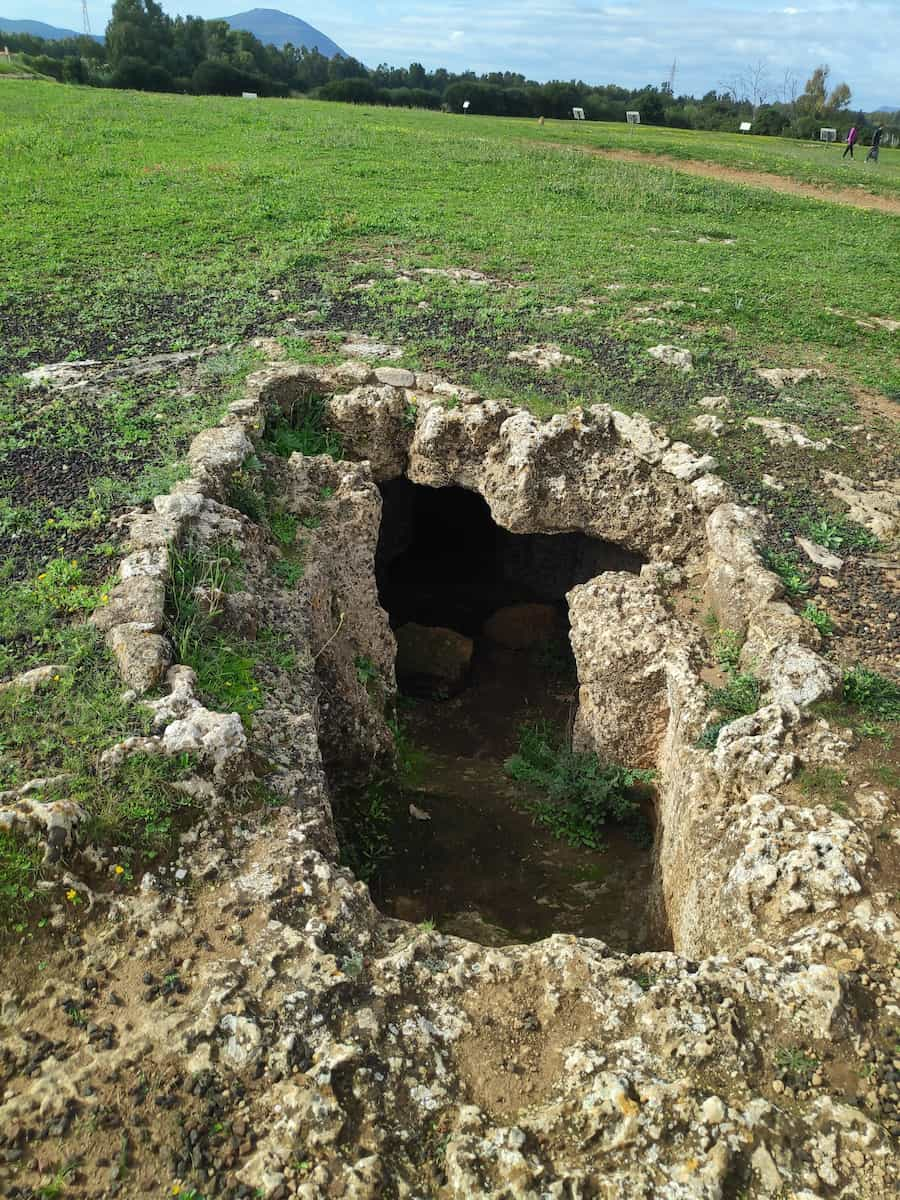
277	29
887	108
39	29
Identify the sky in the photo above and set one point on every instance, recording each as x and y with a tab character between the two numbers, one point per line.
630	43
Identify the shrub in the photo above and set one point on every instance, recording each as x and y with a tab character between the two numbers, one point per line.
582	793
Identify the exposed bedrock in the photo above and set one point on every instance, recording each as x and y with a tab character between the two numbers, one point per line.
394	1060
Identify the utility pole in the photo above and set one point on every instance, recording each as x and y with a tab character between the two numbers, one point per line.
85	19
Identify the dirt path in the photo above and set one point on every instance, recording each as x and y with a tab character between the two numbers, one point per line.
759	179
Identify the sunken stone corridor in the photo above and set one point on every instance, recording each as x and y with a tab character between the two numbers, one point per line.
388	968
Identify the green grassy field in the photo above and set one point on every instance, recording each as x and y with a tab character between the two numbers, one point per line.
138	224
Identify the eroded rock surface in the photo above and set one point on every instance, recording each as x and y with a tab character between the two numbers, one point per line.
301	1044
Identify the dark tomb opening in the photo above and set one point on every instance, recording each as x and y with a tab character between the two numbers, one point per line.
481	622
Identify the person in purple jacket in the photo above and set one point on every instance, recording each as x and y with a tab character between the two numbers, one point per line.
852	138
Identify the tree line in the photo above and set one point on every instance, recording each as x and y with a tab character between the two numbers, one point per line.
147	49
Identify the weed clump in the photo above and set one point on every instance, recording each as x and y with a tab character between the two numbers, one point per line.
583	795
739	697
876	695
306	432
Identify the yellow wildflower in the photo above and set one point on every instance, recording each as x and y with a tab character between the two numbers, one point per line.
104	599
71	894
56	679
43	575
74	562
117	870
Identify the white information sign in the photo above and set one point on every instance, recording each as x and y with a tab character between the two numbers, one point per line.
249	95
633	118
746	126
827	135
578	114
466	105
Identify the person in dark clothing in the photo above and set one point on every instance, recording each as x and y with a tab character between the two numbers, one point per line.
852	139
876	144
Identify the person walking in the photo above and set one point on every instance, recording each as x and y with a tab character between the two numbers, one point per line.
852	139
872	156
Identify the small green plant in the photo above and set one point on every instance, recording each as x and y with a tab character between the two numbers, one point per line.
582	794
827	783
245	493
819	618
876	695
796	1062
20	861
836	533
427	926
284	528
224	664
784	564
288	571
305	433
366	671
363	820
726	646
740	697
352	965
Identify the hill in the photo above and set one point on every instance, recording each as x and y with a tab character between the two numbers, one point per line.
39	29
278	28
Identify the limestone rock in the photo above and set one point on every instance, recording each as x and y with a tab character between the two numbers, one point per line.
876	509
141	654
372	421
797	675
215	454
34	680
571	472
708	423
362	346
673	356
638	433
715	403
681	461
780	377
521	626
545	357
630	651
820	556
431	658
395	377
783	433
736	581
138	599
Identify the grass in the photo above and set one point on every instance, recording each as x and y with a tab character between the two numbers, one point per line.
872	693
582	794
20	860
807	162
231	211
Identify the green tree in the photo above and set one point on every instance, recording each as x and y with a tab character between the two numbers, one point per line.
138	29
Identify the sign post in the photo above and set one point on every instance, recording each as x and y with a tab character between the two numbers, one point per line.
746	126
466	104
633	118
827	135
578	114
